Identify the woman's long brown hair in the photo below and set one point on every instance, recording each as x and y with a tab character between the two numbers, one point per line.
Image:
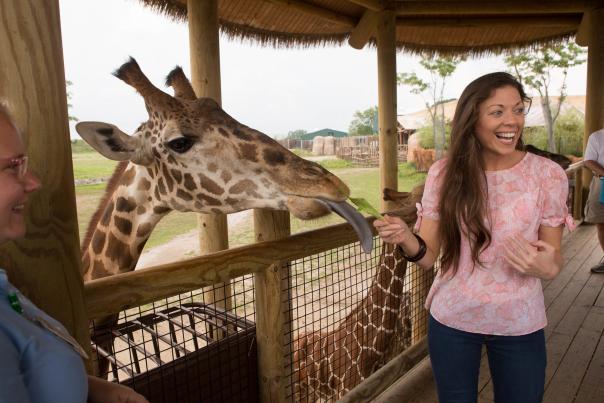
463	194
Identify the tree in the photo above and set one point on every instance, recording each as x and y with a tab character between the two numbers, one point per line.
439	68
535	70
363	122
69	106
296	134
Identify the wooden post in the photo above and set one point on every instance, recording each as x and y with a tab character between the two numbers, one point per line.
420	281
386	54
204	44
593	28
273	325
46	264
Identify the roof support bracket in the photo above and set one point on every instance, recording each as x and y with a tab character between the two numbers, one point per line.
364	30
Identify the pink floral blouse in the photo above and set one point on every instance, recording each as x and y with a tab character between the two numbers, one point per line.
495	298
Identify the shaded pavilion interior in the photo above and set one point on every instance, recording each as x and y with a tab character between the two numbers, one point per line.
33	79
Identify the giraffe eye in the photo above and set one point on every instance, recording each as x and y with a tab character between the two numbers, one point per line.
181	144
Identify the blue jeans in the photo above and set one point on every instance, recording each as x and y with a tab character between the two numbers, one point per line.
517	364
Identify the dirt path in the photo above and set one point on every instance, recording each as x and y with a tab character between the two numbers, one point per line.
184	246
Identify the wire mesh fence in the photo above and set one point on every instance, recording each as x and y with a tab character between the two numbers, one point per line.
351	313
184	349
348	314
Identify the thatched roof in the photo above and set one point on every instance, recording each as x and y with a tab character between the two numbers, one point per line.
427	26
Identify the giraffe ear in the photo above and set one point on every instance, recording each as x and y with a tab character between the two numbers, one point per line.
113	143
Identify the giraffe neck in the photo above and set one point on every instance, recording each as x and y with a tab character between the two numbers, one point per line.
127	218
381	304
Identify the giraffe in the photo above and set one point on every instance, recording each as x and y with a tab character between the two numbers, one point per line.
329	364
192	156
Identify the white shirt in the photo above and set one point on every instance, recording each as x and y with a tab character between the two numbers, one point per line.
595	148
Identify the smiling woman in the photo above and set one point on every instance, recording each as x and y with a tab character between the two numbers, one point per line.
41	361
494	214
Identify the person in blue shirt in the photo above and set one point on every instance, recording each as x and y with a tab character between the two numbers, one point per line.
39	361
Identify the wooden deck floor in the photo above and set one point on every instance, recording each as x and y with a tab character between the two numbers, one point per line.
575	334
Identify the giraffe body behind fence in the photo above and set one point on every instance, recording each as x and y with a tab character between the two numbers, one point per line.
328	364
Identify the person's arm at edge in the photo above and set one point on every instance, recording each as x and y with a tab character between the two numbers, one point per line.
594	167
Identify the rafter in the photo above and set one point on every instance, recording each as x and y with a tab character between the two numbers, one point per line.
494	7
316	11
364	30
373	5
466	22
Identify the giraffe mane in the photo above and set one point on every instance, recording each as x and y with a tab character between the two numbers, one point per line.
111	185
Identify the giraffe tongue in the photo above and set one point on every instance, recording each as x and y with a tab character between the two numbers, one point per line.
354	218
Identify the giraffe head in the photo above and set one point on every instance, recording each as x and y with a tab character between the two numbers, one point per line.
192	156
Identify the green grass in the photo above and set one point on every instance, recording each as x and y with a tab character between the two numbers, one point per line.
92	166
335	164
301	152
80	146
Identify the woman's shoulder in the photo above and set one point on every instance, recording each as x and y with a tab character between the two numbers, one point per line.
544	167
438	167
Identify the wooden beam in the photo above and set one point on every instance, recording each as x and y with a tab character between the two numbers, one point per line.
373	5
494	7
386	54
584	28
594	104
383	378
321	12
204	45
116	293
571	22
46	264
364	30
273	312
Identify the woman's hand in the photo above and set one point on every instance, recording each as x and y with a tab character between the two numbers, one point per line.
537	259
102	391
393	230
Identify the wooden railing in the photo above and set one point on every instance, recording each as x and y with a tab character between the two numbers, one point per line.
113	294
118	293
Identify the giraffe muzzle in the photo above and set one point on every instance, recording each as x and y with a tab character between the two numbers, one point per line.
354	218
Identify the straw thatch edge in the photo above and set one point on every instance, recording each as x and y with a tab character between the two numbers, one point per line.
177	11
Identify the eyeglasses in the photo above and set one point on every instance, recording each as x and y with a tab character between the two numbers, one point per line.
19	165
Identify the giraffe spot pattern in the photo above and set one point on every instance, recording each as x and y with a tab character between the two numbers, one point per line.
144	230
208	199
181	194
125	205
107	214
247	151
176	175
161	210
98	241
244	185
99	270
273	157
119	252
128	176
168	178
209	185
225	176
143	185
123	225
190	183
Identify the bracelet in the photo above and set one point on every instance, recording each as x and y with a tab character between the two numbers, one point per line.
420	253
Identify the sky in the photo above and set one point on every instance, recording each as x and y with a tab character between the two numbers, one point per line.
271	90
